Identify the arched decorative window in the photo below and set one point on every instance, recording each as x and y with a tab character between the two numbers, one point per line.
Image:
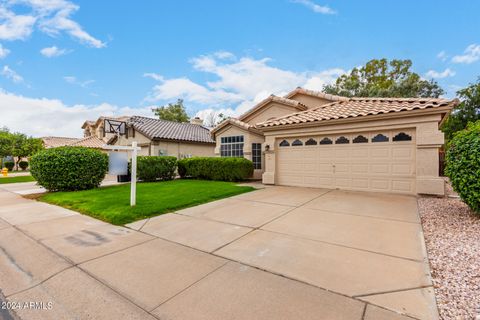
326	141
360	139
380	138
311	142
284	143
297	143
342	140
402	136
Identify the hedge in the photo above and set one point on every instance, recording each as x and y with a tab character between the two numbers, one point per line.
9	165
224	169
152	168
23	165
69	168
463	164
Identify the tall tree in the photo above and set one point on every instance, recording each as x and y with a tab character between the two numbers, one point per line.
23	146
212	118
6	144
172	112
381	78
467	111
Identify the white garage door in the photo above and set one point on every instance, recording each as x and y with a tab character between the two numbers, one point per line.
378	161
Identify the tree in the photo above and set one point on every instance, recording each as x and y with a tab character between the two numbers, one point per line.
18	145
467	111
381	78
24	146
6	143
213	118
172	112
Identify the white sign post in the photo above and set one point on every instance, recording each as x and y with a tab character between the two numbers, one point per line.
133	182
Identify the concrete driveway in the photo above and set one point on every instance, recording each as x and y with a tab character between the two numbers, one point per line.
276	253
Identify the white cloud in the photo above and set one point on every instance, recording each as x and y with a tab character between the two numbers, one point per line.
440	75
442	55
316	7
50	16
34	116
53	51
13	26
470	55
3	52
11	74
239	83
74	80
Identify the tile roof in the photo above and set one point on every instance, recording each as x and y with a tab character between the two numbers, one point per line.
162	129
235	122
358	107
314	93
89	142
54	142
273	98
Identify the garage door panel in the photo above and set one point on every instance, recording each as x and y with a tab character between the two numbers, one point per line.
379	168
380	184
376	166
402	168
380	152
360	168
403	186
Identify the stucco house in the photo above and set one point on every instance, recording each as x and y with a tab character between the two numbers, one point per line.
155	137
311	139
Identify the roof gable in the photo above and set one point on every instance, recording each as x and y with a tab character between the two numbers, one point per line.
295	105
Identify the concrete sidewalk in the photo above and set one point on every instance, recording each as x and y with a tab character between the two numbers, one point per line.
269	254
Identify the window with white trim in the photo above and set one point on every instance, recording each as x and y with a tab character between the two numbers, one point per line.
257	155
231	146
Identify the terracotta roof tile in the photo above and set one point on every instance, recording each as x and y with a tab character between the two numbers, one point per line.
162	129
314	93
89	142
54	142
358	107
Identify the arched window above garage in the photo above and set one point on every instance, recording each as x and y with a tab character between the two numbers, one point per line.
380	138
326	141
360	139
284	143
297	143
342	140
402	136
311	142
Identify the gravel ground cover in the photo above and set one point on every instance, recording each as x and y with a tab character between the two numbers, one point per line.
452	237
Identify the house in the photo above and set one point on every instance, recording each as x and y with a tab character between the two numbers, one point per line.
312	139
155	137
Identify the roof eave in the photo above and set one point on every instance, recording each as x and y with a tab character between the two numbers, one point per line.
410	113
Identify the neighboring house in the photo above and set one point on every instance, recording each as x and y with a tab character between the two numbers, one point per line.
155	137
312	139
54	142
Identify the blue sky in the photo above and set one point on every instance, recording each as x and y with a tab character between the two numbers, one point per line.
67	61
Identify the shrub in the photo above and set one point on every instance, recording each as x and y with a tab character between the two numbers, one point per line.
224	169
463	165
151	168
9	165
69	168
23	165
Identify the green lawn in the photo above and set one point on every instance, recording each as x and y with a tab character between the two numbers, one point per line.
112	204
17	179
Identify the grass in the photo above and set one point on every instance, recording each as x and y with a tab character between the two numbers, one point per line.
112	204
4	180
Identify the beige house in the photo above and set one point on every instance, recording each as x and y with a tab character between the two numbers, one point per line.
312	139
155	137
